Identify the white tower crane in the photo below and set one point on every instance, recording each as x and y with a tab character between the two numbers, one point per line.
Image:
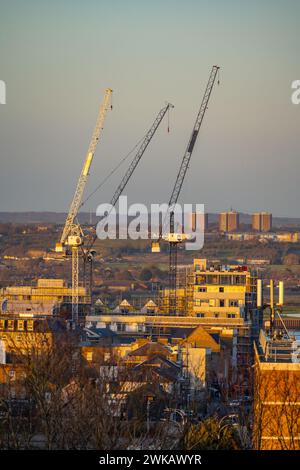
72	236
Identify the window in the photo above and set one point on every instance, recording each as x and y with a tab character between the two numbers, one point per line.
121	327
216	315
212	279
200	315
106	357
239	280
21	325
225	279
89	356
233	303
222	303
231	315
221	289
204	302
202	289
200	279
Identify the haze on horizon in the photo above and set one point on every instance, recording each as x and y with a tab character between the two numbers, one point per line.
58	57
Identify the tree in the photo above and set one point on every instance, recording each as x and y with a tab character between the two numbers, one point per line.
276	407
145	274
210	435
73	404
291	259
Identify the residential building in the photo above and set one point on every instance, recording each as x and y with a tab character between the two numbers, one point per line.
48	296
262	221
228	221
276	393
199	222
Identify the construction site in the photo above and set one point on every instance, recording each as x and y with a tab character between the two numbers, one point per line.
200	336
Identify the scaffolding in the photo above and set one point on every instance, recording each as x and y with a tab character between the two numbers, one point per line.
46	290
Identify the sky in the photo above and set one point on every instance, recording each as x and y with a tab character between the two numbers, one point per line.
58	57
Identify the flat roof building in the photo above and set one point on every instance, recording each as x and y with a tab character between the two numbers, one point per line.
276	393
262	221
41	300
228	221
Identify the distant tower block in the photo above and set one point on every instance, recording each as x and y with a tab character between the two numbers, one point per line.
262	221
198	221
228	221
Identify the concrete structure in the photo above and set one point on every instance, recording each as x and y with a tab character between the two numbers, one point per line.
262	221
280	237
40	300
24	335
223	291
276	393
199	221
219	299
288	237
222	297
228	221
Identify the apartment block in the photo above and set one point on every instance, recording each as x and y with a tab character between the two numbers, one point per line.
223	291
262	221
228	221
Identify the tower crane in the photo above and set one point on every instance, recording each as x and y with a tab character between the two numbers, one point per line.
175	238
89	253
72	236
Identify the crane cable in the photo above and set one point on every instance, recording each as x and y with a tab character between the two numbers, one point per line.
112	172
119	164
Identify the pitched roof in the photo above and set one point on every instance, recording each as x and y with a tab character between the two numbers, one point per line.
150	303
154	360
150	349
124	303
201	339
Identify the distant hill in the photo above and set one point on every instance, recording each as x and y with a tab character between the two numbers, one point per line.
86	217
40	217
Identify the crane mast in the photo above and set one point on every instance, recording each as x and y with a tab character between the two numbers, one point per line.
129	172
72	234
173	241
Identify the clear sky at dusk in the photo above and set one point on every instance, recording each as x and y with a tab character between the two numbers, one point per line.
57	58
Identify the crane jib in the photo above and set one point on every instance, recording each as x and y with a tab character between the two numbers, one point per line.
177	188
